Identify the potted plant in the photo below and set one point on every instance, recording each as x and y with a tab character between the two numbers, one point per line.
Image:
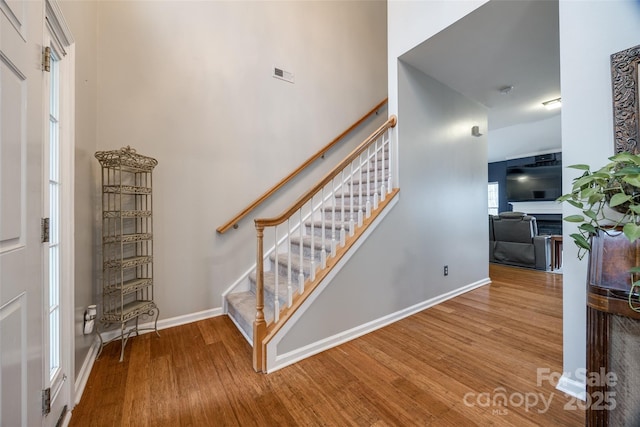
609	199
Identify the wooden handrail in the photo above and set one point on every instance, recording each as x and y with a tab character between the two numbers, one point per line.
270	222
233	222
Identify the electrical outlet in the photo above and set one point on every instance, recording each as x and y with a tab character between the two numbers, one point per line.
446	270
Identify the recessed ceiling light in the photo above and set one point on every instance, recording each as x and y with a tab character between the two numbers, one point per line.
553	104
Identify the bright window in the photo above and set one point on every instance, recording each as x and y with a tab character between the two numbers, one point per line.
54	220
493	198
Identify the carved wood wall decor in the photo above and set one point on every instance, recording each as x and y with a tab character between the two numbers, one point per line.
624	70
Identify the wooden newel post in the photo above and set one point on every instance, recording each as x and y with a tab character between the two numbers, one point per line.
259	325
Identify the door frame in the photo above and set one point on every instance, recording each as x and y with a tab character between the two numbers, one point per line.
58	35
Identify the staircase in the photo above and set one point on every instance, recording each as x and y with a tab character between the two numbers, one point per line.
308	243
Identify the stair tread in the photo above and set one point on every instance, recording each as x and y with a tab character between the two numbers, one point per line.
270	284
372	178
296	262
327	224
317	241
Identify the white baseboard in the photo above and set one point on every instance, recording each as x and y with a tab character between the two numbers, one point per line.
85	370
168	323
294	356
572	387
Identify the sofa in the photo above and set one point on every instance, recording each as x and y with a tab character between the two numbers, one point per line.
514	240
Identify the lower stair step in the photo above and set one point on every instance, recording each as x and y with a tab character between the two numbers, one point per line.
241	307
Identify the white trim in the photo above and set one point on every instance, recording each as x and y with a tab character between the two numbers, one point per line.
294	356
240	285
540	207
572	387
85	370
241	329
58	24
169	323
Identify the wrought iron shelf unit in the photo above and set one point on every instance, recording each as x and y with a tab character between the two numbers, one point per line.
127	245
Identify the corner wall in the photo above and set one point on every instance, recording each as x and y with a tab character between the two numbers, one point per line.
590	31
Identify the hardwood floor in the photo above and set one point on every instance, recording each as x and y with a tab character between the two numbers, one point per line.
472	360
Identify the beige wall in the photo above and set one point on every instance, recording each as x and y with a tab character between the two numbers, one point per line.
190	84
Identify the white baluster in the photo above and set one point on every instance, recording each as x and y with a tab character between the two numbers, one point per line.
375	174
368	206
362	177
312	274
351	213
385	160
343	214
323	252
391	157
276	300
301	273
333	217
289	284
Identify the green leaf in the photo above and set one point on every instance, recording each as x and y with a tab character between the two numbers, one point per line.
578	205
601	175
591	214
625	156
574	218
580	241
635	208
618	199
580	167
587	192
627	170
582	181
596	198
631	231
588	228
634	270
633	180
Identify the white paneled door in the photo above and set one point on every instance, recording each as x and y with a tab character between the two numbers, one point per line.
21	211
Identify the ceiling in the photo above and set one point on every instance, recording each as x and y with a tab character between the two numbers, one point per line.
503	44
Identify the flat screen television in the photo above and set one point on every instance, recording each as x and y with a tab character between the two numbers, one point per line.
534	182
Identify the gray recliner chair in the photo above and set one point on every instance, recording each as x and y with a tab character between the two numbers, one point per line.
514	240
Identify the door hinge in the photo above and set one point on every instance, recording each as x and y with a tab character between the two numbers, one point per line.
46	401
46	59
44	235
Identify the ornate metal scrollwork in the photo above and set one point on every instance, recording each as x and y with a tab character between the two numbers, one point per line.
624	70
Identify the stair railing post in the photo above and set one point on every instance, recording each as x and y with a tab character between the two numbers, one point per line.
259	324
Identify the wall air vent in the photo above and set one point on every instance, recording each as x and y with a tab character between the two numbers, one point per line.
281	74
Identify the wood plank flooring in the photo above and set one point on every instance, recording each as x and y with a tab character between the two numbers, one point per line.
446	366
